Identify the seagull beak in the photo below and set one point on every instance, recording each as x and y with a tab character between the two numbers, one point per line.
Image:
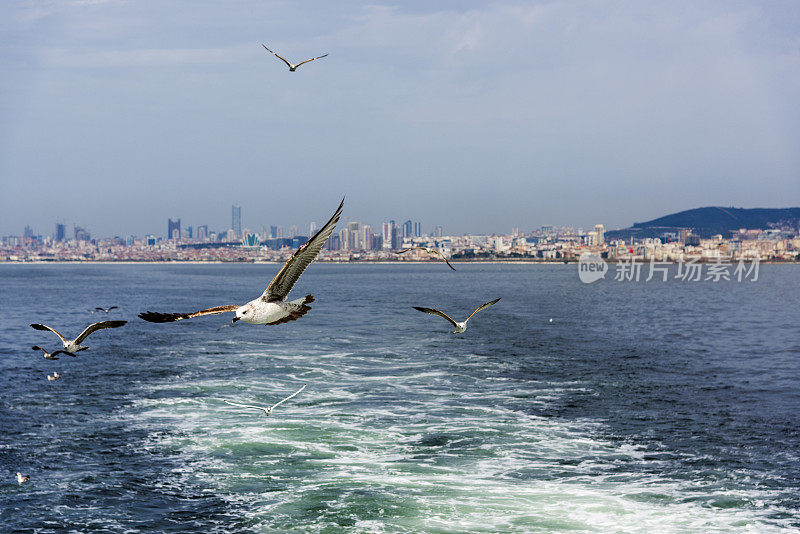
234	319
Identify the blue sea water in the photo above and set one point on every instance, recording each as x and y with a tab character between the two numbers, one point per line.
642	407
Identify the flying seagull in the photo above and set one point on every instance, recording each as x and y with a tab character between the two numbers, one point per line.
266	409
460	327
429	251
292	66
55	376
51	355
270	307
104	309
75	345
21	479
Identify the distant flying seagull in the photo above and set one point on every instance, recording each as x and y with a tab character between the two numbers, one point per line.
104	309
270	307
55	376
21	479
460	327
429	251
292	66
266	409
75	345
51	355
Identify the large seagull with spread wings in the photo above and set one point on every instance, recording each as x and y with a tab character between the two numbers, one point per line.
73	346
270	307
292	66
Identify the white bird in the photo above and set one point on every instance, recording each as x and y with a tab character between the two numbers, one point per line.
55	376
51	355
266	409
75	345
460	327
104	309
21	479
429	251
292	66
270	307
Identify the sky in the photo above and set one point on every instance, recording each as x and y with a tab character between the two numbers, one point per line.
476	116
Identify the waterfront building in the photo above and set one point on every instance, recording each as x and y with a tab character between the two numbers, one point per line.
173	229
236	220
60	232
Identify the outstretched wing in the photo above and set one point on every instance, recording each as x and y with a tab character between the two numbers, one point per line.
483	307
277	56
243	405
445	259
63	352
312	59
37	347
38	326
436	312
112	308
156	317
283	282
99	326
409	249
289	397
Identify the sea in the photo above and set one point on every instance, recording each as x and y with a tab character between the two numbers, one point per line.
618	406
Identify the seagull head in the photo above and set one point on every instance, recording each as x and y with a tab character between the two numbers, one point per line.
244	312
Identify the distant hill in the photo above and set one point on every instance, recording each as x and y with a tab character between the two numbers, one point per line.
709	221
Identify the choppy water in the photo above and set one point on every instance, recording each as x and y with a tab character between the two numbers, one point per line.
659	407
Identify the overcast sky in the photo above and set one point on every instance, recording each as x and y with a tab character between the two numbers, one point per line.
477	116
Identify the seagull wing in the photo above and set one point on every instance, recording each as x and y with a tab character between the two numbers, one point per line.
38	326
283	282
243	405
287	398
99	309
63	352
37	347
276	55
312	59
99	326
409	249
482	307
445	259
436	312
157	317
112	308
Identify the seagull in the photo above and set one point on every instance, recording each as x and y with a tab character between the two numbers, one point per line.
104	309
75	345
292	66
270	307
266	409
55	376
429	251
51	355
460	327
21	479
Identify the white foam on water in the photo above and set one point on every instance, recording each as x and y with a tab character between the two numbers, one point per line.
412	452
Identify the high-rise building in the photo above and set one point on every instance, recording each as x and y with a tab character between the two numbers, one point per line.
60	232
202	232
408	228
601	234
188	232
439	231
236	220
417	229
366	237
293	231
397	239
312	229
273	232
386	233
173	229
28	232
344	236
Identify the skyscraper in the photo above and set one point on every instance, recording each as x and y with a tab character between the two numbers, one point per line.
601	233
273	232
387	234
417	229
60	232
236	219
173	229
408	228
